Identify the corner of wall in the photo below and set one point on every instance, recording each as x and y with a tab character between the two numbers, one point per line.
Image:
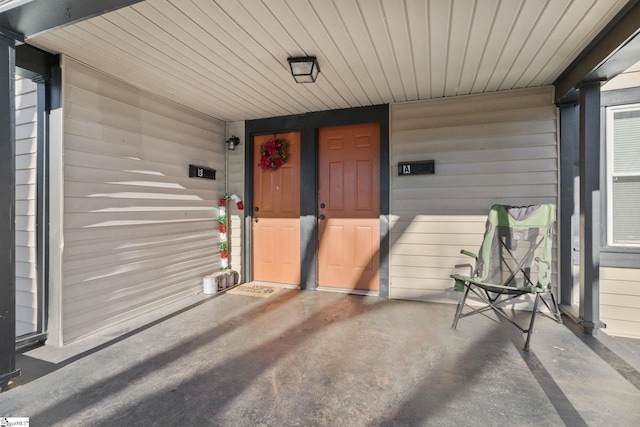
56	218
234	183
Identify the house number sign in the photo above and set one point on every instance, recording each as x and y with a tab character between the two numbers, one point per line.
423	167
201	172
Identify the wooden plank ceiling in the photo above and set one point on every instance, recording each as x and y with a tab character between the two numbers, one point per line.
228	58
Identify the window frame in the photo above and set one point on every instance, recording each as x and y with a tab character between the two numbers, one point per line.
609	175
612	256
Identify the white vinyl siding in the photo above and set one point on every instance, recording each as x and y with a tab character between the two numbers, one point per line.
620	301
26	161
488	148
627	79
138	233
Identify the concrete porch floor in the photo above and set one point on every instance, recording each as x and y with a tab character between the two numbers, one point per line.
327	359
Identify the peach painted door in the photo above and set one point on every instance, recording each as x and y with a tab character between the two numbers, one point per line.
349	207
276	215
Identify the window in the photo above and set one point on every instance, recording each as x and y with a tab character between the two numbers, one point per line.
623	176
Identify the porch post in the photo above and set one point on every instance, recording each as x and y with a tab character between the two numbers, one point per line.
590	207
569	171
7	212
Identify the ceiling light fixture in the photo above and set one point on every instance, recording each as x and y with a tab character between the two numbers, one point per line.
304	69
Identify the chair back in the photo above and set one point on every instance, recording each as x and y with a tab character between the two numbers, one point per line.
516	249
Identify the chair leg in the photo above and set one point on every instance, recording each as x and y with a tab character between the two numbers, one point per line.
555	306
461	305
533	318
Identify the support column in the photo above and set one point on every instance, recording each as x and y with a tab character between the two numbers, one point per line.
569	173
590	207
7	212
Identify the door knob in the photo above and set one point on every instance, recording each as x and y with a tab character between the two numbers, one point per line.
322	205
256	209
255	220
322	216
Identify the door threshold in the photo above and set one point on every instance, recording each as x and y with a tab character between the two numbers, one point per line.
361	292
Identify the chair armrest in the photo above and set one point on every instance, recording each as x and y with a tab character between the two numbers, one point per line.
463	265
470	254
467	253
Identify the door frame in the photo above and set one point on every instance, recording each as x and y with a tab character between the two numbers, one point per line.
308	125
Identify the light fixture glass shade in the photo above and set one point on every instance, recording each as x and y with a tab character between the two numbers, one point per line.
304	69
232	142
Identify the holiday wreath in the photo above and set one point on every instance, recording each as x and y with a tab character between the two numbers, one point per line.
273	154
222	225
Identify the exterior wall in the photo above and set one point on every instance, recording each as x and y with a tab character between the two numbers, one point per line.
620	287
620	301
235	184
136	233
26	161
491	148
629	78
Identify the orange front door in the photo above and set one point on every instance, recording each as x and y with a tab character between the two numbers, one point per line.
276	225
349	207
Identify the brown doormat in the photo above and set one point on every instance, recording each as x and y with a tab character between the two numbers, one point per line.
255	290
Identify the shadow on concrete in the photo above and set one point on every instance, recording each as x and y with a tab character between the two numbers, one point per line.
451	381
32	368
609	356
201	397
563	406
307	358
81	399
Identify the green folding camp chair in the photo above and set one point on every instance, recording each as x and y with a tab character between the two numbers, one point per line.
514	260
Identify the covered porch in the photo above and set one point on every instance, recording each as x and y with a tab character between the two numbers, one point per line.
317	358
131	93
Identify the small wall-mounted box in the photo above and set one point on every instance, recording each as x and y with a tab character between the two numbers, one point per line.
201	172
423	167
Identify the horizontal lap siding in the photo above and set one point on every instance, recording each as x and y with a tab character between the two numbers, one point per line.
491	148
138	232
620	301
26	161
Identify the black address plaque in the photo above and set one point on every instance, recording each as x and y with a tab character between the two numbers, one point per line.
201	172
423	167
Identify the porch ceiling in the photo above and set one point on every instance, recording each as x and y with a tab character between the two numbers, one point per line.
228	58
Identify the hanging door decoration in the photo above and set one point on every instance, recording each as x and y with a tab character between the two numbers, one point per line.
273	154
